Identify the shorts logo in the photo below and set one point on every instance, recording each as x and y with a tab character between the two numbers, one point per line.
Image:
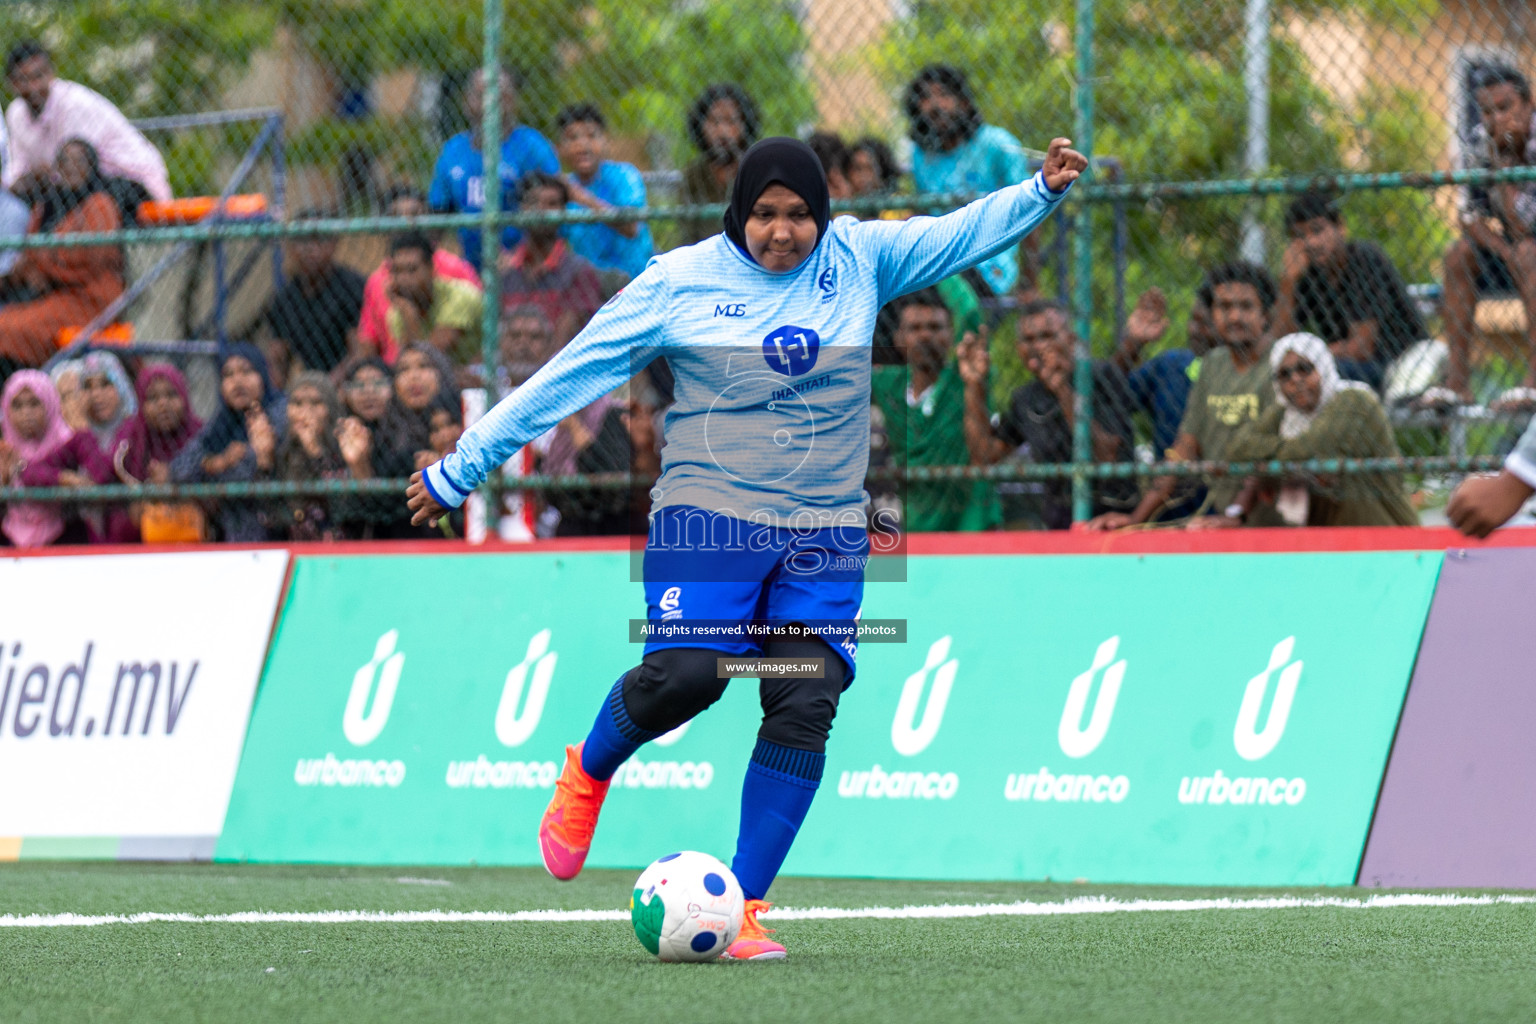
1075	740
513	727
791	350
362	729
1250	743
670	599
910	739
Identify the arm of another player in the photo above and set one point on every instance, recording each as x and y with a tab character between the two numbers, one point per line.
915	253
1482	504
624	335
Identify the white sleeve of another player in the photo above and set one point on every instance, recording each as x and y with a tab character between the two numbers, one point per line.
916	253
622	338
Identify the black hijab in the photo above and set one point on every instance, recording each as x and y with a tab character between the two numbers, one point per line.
777	161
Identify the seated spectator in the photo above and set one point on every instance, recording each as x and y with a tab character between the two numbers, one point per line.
871	169
146	445
109	396
1320	416
443	312
594	440
240	443
373	325
66	378
833	154
1496	252
600	184
313	317
527	343
1346	292
445	421
64	287
368	395
31	429
49	110
423	376
314	449
935	409
544	272
722	125
458	182
1235	386
957	151
1038	423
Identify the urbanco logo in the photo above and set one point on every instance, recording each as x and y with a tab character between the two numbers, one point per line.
513	727
1075	740
362	721
910	739
1250	743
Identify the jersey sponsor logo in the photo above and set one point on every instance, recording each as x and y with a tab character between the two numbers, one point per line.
1251	743
1075	740
908	735
827	282
363	720
731	309
791	350
514	726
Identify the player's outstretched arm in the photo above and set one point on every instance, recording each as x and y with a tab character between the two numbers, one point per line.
1482	504
623	336
915	253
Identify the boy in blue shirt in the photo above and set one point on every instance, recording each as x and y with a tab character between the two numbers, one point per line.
458	182
600	184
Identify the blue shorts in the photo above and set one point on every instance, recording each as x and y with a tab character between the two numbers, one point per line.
707	567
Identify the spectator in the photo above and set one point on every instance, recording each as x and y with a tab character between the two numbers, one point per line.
595	440
935	410
312	450
1346	292
543	271
458	182
31	429
871	169
383	442
373	325
722	125
423	375
1038	423
445	422
313	317
833	154
48	111
66	378
1496	252
600	184
64	287
240	443
146	445
1234	387
527	343
1320	416
444	312
958	152
85	458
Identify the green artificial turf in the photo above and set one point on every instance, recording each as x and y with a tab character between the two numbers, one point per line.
1398	964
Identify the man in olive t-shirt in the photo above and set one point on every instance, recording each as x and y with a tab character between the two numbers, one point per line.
1235	385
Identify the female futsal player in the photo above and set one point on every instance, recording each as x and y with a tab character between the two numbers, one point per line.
758	517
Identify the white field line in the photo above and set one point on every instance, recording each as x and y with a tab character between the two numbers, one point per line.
1077	906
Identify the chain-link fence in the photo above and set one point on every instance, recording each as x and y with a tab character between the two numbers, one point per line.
292	291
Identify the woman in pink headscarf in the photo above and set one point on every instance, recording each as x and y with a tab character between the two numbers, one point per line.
32	428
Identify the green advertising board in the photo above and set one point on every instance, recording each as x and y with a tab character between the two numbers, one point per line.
1214	719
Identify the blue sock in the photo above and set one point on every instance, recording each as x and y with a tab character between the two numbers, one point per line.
780	785
614	736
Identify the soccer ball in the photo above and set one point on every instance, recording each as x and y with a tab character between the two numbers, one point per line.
686	907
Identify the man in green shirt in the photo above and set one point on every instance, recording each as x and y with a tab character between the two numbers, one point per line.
936	414
427	306
1235	386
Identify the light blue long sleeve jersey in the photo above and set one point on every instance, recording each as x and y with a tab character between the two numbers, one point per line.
771	418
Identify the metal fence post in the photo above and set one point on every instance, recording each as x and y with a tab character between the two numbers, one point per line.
1082	285
490	232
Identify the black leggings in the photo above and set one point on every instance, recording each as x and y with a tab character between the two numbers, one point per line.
673	684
